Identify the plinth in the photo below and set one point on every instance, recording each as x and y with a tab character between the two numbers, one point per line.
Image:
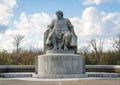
60	64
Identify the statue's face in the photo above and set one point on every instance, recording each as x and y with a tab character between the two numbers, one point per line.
58	16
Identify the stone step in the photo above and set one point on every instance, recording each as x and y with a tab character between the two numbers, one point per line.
87	75
15	75
104	75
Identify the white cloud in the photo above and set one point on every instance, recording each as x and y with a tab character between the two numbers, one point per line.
97	2
91	24
31	26
6	10
96	24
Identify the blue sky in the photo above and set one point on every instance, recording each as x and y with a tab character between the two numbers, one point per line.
70	8
90	18
48	6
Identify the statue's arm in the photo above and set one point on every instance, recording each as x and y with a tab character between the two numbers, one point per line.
70	26
50	26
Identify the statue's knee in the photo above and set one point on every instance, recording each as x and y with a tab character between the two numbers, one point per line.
67	35
52	34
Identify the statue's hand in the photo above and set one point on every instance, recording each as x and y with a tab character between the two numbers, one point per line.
73	33
48	30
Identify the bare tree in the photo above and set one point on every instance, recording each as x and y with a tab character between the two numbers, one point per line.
84	50
98	48
116	44
18	39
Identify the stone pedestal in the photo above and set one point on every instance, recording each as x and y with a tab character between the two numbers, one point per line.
58	64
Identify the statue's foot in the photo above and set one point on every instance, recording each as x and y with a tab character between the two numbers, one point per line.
49	48
65	48
54	48
60	48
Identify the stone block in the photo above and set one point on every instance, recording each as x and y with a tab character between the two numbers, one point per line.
60	65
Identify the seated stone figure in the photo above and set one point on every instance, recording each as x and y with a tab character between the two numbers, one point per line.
60	34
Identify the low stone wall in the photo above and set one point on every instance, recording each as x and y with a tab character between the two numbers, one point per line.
103	68
17	68
31	68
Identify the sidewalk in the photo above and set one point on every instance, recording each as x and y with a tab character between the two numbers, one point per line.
86	81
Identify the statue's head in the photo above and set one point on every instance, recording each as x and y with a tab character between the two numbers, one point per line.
59	14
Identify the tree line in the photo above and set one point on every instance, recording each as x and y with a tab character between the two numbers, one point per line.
99	56
19	56
96	56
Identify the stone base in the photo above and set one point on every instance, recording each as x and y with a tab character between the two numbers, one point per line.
60	65
60	75
60	52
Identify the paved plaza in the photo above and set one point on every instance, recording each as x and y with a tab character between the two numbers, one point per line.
87	81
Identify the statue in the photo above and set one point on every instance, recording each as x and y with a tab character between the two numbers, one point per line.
60	46
61	34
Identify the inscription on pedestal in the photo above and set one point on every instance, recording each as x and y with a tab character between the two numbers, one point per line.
60	64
